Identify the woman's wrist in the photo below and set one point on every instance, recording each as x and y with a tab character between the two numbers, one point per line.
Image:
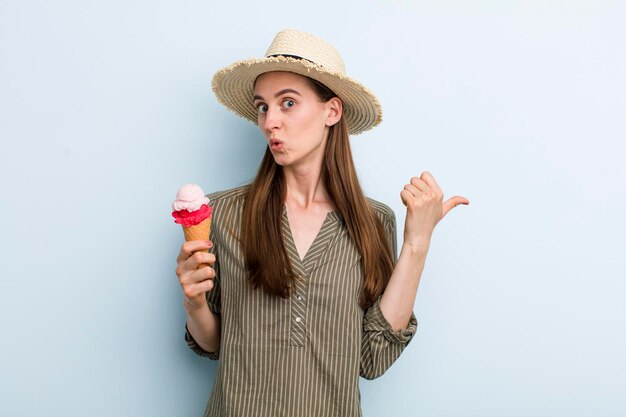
417	246
194	306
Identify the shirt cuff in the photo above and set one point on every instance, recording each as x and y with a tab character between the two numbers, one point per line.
193	345
376	321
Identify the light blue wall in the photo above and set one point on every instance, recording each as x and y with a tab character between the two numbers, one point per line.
105	110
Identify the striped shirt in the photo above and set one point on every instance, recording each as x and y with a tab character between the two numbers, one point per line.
300	356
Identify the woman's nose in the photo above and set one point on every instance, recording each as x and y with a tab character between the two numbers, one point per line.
272	120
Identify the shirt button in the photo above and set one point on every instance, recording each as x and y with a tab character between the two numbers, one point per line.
298	297
298	319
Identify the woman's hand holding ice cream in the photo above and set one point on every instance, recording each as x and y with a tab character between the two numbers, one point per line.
195	272
192	211
195	264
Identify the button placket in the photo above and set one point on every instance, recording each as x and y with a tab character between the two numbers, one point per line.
299	312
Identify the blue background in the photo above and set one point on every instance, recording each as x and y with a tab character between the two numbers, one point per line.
106	109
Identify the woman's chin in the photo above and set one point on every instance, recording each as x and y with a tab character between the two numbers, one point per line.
280	158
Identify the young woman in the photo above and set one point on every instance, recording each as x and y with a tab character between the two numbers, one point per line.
301	292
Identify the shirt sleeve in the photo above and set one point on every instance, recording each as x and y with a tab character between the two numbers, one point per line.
213	301
380	344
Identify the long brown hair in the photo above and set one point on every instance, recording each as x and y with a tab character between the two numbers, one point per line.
266	258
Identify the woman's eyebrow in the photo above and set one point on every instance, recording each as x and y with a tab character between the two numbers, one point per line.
280	93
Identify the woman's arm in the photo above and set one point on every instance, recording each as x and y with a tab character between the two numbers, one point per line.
425	208
204	327
195	274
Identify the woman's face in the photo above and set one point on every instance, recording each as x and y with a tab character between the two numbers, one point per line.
293	119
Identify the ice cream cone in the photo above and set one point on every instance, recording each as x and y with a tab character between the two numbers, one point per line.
200	231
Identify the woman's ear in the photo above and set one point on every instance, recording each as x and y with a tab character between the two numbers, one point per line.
335	110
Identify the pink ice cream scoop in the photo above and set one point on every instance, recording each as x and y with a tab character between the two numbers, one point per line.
189	197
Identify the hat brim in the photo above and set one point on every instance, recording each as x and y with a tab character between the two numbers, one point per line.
234	88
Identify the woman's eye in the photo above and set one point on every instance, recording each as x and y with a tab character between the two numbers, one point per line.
288	104
261	108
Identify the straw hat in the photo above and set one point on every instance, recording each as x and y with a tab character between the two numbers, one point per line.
303	54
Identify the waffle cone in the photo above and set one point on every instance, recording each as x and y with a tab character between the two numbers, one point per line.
200	231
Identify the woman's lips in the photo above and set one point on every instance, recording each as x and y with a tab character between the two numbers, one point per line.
276	144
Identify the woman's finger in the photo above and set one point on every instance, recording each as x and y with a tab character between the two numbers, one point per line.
192	291
419	184
406	197
199	275
452	202
428	178
188	248
202	274
205	286
412	189
198	259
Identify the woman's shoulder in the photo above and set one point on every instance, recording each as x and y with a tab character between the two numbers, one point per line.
383	211
224	196
230	198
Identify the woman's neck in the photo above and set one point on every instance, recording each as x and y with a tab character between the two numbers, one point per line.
305	187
